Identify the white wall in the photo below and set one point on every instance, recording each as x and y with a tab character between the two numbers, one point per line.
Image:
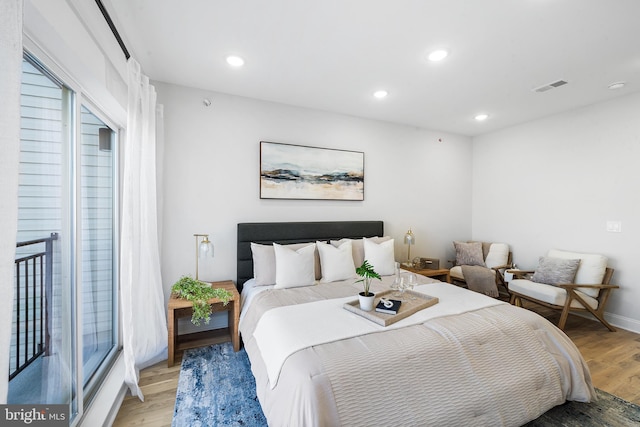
211	177
555	182
74	41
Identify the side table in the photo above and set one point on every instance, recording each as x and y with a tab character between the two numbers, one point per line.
440	274
179	307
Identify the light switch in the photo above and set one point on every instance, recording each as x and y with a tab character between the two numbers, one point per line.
614	226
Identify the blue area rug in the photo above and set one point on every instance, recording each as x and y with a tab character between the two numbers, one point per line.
608	410
216	388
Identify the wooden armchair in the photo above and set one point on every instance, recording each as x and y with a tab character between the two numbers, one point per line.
497	257
581	296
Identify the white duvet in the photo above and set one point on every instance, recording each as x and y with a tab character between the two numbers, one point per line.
490	364
283	331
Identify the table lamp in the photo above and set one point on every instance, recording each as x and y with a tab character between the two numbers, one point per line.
204	249
409	240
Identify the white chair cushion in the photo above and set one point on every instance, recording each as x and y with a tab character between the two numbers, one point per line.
590	272
549	293
456	272
498	255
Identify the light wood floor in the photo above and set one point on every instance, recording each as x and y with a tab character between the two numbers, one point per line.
613	358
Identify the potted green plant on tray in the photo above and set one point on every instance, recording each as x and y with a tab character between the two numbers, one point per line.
199	293
367	274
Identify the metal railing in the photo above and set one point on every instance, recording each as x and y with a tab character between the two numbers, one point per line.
34	282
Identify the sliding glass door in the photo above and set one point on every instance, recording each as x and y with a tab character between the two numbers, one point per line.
97	221
42	356
65	321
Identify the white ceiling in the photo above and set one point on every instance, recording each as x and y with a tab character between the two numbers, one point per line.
333	54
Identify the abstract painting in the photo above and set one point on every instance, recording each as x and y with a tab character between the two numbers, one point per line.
299	172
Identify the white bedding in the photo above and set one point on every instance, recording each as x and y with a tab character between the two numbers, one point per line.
283	331
496	365
250	290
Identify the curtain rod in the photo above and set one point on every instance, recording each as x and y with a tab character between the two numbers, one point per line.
113	28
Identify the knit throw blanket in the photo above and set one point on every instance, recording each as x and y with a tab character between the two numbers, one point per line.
480	279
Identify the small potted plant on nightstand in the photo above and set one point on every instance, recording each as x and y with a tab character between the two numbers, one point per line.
367	274
199	293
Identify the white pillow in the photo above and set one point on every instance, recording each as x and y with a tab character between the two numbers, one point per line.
358	247
498	255
264	264
294	268
380	255
337	262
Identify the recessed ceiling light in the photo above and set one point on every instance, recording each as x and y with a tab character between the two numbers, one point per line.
235	61
617	85
438	55
481	117
380	94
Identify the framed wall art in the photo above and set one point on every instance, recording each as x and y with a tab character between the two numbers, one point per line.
311	173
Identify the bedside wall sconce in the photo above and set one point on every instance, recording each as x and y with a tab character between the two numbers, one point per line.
204	249
409	240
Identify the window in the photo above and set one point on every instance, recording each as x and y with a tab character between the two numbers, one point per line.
41	353
97	203
65	320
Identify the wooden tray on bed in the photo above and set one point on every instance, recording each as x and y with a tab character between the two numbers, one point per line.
407	308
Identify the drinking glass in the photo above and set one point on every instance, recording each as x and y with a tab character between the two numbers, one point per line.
396	285
402	285
411	281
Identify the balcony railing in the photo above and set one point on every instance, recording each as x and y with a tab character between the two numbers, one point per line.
32	302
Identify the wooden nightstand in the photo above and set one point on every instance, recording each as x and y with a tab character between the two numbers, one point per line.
178	308
440	274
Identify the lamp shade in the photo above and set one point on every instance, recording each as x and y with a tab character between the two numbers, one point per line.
206	248
409	238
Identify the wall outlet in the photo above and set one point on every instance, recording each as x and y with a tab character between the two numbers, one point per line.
614	226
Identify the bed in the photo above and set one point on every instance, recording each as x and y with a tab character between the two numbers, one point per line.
468	360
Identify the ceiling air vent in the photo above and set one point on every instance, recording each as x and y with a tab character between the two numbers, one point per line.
550	86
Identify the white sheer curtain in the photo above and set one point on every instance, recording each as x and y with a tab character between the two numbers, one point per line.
11	68
57	374
143	310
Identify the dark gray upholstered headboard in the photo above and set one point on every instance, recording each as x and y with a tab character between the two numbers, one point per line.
295	232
